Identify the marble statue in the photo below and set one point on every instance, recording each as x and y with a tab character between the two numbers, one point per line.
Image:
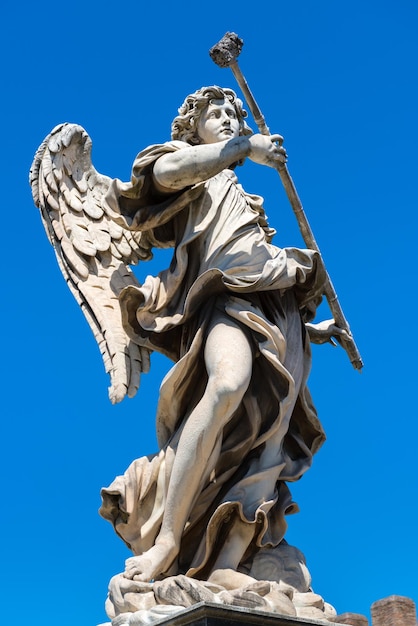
235	420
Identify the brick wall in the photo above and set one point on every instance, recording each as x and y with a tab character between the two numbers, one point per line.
391	611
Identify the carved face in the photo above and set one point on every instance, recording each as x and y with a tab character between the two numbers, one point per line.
218	122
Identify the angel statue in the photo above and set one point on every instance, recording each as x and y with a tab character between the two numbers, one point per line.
235	420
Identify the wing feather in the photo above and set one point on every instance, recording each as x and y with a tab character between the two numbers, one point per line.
100	237
93	252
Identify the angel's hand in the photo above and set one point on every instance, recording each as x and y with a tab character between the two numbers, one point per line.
326	332
267	150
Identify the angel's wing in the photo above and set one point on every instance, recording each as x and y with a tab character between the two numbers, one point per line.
93	252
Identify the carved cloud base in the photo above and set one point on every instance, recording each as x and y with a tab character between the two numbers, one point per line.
277	583
132	603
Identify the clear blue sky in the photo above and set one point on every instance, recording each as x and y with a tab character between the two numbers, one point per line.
339	81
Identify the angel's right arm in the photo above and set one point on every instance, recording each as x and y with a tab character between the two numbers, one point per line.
184	168
177	170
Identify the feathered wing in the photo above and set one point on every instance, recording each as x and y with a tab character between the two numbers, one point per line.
93	252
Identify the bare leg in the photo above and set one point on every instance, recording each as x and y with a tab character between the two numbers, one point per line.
228	360
235	546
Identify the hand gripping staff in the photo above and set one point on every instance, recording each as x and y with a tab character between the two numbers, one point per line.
225	54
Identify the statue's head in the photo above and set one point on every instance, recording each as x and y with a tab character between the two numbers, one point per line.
184	126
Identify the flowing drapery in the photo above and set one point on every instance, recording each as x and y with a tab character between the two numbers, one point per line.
223	261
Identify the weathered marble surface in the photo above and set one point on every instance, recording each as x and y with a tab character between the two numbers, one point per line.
148	602
235	420
286	590
229	311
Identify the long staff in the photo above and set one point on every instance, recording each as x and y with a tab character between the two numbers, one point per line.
225	54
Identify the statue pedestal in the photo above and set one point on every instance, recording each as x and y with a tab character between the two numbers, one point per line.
208	614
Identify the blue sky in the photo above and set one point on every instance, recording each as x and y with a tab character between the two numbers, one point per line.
339	81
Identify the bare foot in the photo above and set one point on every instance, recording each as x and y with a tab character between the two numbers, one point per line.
152	563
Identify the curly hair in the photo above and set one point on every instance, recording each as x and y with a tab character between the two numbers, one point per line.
184	126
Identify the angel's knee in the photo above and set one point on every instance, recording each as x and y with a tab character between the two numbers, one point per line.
226	391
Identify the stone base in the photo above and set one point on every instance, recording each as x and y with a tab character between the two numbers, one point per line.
134	603
208	614
277	582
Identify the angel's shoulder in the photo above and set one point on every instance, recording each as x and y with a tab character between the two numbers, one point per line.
157	149
146	158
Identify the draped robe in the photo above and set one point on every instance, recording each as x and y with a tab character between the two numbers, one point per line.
224	261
